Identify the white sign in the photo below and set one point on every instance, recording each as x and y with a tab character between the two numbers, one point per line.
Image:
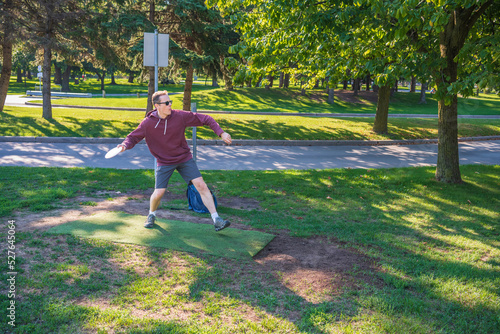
39	68
40	75
149	49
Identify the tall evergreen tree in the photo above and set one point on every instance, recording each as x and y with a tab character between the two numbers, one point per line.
7	35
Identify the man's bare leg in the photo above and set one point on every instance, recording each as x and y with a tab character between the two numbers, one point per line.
154	203
155	200
206	197
205	194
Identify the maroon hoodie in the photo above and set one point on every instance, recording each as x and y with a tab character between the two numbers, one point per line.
165	137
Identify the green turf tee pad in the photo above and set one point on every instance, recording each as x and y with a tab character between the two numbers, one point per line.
190	237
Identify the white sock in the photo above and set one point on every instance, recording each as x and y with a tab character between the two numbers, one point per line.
152	213
214	216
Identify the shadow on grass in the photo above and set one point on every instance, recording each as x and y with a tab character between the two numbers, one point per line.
402	218
414	232
64	127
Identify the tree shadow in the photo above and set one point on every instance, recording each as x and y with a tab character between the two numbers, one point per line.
407	285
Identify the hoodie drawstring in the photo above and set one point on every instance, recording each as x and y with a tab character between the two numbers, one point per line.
164	131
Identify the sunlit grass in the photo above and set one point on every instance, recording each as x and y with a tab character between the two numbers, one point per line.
17	121
435	249
291	101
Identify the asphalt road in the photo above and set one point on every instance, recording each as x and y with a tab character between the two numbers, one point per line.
34	154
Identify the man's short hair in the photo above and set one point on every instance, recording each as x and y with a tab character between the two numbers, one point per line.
156	95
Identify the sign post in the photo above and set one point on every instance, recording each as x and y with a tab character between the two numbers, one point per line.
40	76
193	109
156	53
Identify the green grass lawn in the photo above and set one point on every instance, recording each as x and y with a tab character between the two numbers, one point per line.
290	101
24	121
92	85
434	249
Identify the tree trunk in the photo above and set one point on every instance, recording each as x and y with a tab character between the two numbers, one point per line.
57	75
355	87
214	81
451	41
368	82
331	95
131	77
448	165
396	85
423	89
188	86
47	60
102	79
258	82
282	78
28	74
113	82
151	89
65	79
413	84
228	81
19	73
6	70
270	78
384	94
286	82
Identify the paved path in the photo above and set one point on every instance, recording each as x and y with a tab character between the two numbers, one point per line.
246	157
214	157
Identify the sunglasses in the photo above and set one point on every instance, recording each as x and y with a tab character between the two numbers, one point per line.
165	103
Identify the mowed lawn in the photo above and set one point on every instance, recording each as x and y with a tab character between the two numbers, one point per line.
291	101
424	257
25	121
411	255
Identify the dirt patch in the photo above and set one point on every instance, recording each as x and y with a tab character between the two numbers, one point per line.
315	268
363	97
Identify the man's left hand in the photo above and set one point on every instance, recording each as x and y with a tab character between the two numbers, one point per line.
226	137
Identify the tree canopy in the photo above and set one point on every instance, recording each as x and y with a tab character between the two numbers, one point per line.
454	43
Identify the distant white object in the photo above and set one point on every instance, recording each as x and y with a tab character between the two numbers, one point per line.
149	49
113	152
39	68
39	75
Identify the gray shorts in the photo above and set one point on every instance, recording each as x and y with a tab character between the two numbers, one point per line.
188	170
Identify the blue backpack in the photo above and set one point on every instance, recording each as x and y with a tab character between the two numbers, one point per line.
194	199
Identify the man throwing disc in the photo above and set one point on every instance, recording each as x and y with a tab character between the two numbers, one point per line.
164	130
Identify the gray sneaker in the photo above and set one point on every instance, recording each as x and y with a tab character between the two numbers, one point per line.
150	222
221	224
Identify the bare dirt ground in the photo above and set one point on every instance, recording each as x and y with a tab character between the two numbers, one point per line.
301	264
363	97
